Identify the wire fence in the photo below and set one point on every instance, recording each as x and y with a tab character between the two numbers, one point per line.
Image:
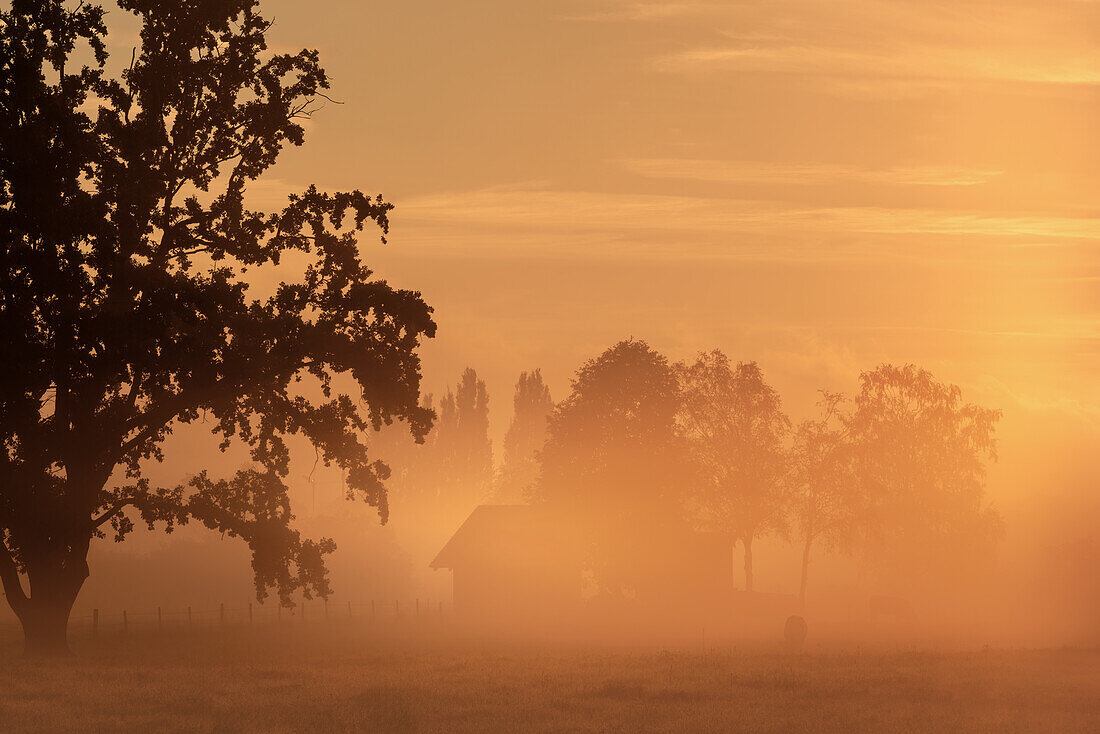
175	619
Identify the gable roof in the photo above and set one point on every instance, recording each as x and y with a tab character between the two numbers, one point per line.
493	532
534	536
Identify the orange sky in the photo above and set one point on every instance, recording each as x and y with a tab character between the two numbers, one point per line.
816	185
819	186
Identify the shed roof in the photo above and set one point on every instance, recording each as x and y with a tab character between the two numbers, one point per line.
495	531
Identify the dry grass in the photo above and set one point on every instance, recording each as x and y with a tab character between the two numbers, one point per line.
291	680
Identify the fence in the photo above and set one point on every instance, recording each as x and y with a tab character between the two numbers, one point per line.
102	622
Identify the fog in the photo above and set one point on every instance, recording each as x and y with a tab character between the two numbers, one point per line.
1033	584
612	365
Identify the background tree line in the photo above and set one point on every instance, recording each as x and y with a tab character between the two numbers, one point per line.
640	446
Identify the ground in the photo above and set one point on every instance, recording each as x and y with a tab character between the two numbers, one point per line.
333	678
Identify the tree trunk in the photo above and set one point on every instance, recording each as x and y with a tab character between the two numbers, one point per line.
747	542
45	628
44	613
805	571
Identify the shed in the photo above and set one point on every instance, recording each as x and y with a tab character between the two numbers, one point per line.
512	561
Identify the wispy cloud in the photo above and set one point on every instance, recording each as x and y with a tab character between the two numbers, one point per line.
913	62
918	40
556	210
809	174
643	11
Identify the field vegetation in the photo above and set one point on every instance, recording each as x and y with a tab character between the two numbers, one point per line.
345	678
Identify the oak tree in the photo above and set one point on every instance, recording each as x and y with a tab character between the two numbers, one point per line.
126	251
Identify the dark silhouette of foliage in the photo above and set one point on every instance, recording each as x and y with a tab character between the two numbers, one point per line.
735	429
531	407
125	242
611	459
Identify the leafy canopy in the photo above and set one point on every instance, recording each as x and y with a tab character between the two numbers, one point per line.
735	428
610	446
126	251
828	501
611	464
921	455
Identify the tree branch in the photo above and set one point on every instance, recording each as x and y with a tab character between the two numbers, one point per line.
9	576
156	417
108	514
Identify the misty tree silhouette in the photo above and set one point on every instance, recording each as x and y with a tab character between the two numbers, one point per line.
438	482
920	455
125	308
828	502
531	406
464	452
612	461
735	429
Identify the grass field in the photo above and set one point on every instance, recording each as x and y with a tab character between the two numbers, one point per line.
333	679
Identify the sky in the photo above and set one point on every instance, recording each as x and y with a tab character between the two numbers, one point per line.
818	186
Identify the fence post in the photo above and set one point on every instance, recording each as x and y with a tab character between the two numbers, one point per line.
159	625
95	623
221	613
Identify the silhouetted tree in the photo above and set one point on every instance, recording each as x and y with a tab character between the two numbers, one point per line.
462	447
124	239
735	430
413	485
828	502
611	460
531	406
920	456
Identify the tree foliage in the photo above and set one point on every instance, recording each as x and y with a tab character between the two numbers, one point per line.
462	444
125	249
829	505
531	407
921	456
898	472
736	430
611	459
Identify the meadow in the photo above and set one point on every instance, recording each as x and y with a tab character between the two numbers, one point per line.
347	678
